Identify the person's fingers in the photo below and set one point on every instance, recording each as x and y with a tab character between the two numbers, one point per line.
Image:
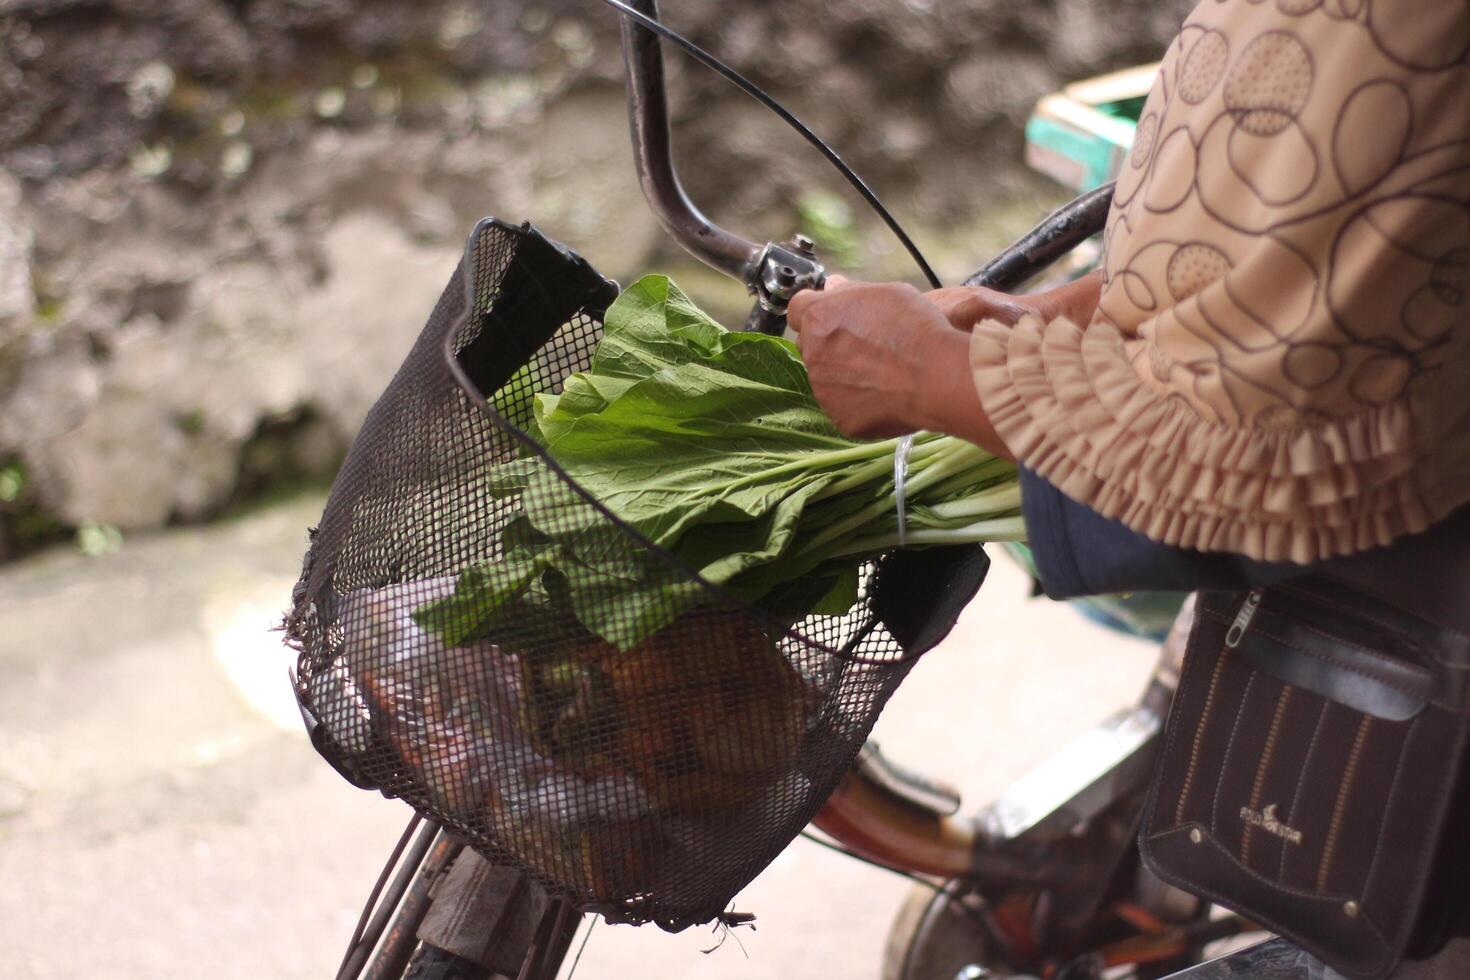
800	305
957	305
946	299
966	306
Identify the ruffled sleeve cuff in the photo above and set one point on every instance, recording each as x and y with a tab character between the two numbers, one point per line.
1072	405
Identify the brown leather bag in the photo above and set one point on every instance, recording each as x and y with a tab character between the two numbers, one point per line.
1311	772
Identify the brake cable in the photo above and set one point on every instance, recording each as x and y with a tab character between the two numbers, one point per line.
765	99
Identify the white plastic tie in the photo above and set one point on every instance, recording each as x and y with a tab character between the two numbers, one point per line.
900	480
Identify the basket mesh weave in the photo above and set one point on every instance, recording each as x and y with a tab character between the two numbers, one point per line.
649	785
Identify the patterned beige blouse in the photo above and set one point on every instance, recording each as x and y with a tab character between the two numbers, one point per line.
1280	364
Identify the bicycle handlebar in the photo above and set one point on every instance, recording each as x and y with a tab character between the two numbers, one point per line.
648	115
777	271
1057	234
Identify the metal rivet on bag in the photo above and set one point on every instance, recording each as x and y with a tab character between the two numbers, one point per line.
1195	837
1351	909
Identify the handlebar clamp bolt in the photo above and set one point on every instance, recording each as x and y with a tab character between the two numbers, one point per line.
805	245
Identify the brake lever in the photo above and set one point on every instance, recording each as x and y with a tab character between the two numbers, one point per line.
778	273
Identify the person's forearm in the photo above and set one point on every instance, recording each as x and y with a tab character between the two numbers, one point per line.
950	402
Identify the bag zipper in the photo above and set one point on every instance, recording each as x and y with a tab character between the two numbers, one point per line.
1243	618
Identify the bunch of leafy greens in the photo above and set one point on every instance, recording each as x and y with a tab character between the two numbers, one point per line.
710	444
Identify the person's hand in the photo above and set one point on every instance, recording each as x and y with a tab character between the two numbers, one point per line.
885	361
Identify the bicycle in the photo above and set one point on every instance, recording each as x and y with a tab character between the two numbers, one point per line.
1045	880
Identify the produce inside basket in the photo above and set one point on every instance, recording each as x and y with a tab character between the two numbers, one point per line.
620	612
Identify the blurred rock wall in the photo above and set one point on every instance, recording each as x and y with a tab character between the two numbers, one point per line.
223	221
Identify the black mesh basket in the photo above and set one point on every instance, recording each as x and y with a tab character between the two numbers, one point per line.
648	785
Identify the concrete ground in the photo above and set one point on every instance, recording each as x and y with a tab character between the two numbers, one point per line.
162	816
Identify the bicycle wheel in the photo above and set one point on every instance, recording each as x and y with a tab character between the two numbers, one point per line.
935	935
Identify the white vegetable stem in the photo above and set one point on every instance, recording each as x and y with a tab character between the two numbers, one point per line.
997	529
939	467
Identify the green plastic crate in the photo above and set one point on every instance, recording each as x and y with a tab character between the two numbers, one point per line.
1081	135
